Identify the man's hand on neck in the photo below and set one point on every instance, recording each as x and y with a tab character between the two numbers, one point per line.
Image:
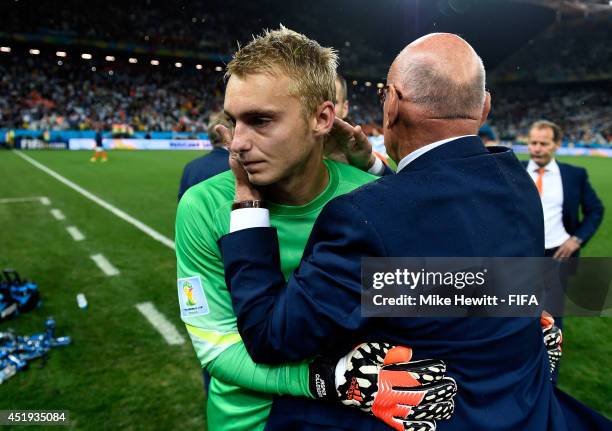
348	144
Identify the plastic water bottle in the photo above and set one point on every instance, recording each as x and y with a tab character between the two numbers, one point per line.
81	301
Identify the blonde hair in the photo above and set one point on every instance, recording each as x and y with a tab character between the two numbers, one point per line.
311	67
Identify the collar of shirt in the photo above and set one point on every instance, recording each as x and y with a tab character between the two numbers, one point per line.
420	151
551	167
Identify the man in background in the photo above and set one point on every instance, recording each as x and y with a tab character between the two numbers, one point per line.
564	190
342	104
341	108
209	164
342	111
487	136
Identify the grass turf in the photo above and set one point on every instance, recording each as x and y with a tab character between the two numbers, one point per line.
119	372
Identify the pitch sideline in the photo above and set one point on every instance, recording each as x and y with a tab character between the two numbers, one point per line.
113	209
147	309
159	322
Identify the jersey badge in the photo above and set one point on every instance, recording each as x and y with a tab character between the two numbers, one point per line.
191	297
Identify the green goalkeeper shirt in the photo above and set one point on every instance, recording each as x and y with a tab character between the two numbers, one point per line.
240	393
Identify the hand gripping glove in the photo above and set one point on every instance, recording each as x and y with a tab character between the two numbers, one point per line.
381	380
552	340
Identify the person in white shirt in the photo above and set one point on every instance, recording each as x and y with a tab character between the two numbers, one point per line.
564	190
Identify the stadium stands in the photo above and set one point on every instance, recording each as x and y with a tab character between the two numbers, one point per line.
583	110
41	94
563	74
568	51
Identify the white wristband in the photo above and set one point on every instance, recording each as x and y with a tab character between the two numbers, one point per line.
378	168
245	218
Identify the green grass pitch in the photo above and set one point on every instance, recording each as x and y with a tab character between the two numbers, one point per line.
119	373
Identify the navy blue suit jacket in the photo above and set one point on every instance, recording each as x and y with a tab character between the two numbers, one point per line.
455	200
577	194
203	168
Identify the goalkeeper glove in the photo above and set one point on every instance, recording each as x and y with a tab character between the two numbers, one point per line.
381	380
552	340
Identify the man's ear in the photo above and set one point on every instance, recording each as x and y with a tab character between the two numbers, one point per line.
324	119
392	106
486	108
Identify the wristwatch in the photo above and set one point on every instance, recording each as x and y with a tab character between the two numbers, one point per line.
248	204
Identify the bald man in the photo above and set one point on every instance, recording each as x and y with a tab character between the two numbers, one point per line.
448	189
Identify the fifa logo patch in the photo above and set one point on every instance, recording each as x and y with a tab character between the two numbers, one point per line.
188	289
192	299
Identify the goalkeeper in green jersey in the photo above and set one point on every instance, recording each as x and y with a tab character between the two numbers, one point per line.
280	97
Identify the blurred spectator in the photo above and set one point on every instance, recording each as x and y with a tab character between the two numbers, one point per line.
487	136
342	103
209	164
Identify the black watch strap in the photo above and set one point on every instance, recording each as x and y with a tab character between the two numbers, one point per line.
249	204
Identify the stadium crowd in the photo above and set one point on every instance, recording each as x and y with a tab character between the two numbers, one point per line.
44	95
584	111
40	94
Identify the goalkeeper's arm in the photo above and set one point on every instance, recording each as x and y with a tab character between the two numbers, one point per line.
235	366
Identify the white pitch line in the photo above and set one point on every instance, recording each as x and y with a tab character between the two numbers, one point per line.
116	211
75	233
45	200
58	214
24	199
103	263
159	322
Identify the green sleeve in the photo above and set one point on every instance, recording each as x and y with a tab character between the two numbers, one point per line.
235	366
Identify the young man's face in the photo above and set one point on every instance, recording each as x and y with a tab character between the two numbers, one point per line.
541	145
271	135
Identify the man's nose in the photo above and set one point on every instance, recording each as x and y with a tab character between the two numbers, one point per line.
240	140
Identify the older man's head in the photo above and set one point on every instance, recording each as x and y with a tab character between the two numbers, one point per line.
436	90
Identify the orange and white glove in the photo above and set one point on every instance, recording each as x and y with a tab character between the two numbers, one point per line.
553	338
381	380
